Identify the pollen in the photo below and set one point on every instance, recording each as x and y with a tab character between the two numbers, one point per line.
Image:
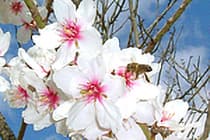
50	98
70	32
93	90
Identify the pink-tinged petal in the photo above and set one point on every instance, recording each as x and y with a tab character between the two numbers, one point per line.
81	115
144	113
87	11
179	109
49	37
68	80
130	131
64	10
90	41
65	55
24	34
4	84
127	105
108	115
61	112
31	62
2	61
4	43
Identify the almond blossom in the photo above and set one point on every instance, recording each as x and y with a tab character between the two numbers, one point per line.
95	92
72	33
46	100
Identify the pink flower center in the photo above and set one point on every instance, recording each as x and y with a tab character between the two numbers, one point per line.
166	116
16	7
22	94
128	76
70	32
93	90
50	98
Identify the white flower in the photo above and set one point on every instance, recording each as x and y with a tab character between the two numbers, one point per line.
46	101
95	92
171	113
72	33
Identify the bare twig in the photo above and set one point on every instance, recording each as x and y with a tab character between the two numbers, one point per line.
22	130
35	13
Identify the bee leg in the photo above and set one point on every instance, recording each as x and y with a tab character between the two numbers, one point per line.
146	78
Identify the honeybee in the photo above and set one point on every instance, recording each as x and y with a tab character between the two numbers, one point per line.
137	69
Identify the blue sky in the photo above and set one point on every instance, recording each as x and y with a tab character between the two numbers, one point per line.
194	41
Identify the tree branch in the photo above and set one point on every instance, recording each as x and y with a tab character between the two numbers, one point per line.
133	23
5	131
207	124
22	130
35	13
167	26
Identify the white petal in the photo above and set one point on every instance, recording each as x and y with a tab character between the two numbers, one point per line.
93	68
61	128
93	131
2	61
131	132
68	80
4	84
64	56
87	11
179	109
115	87
32	79
127	105
81	115
145	91
108	115
40	120
64	10
49	37
4	43
111	45
23	34
90	41
31	62
62	110
145	113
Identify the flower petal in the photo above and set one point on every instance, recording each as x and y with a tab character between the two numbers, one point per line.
81	115
61	111
64	10
68	79
90	42
108	115
64	56
23	34
179	109
87	11
4	84
4	43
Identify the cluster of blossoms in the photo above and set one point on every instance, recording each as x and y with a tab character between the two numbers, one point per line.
83	87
